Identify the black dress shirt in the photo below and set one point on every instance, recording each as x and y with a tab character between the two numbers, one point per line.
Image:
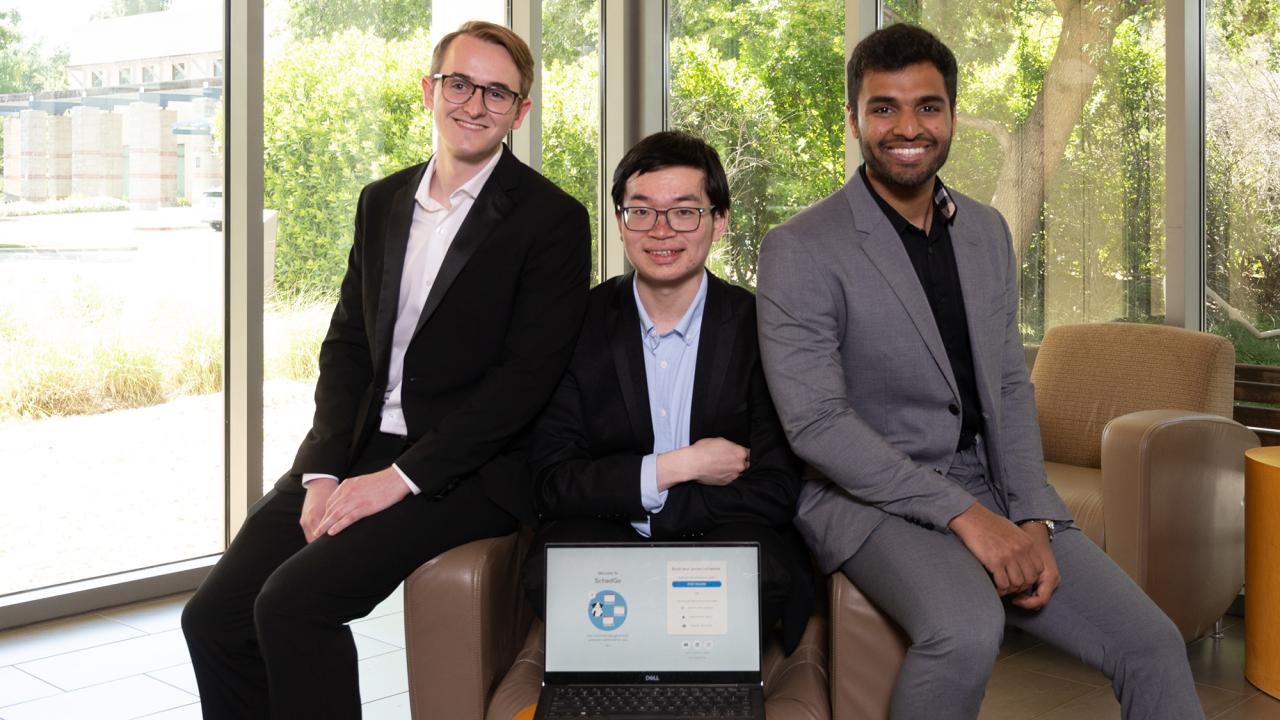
934	260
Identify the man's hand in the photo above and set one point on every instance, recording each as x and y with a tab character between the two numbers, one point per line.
710	461
318	492
361	496
1004	549
1049	578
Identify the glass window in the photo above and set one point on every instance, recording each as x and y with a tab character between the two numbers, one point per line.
95	78
125	76
1242	178
1060	126
148	73
111	304
571	105
745	73
179	71
217	68
361	73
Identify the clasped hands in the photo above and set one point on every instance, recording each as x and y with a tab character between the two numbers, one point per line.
331	507
1018	557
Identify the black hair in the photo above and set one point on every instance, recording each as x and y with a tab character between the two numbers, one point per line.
673	148
894	48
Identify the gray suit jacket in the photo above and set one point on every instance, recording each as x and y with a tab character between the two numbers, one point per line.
861	379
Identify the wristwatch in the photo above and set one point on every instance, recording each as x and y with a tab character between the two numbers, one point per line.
1051	525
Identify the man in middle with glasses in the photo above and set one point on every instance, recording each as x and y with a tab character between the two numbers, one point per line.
663	427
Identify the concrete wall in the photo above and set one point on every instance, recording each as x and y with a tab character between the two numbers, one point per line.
97	153
153	155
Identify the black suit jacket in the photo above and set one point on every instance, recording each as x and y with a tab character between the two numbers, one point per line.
589	443
496	331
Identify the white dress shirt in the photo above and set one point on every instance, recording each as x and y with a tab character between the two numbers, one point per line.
431	233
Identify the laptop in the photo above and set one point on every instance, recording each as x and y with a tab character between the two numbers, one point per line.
652	631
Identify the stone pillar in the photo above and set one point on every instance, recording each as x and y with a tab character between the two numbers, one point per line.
34	132
153	156
13	184
97	159
59	145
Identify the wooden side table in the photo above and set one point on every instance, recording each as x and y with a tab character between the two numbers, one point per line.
1262	569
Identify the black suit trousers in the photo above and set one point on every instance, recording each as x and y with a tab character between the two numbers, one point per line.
267	628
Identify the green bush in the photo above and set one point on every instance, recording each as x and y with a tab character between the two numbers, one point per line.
339	113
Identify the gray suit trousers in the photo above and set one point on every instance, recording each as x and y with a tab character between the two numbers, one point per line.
944	599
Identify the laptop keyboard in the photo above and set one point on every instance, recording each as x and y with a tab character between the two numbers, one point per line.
676	701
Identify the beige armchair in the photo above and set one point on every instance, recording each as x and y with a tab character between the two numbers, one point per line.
1138	440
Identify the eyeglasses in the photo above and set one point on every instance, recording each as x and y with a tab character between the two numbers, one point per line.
679	219
458	90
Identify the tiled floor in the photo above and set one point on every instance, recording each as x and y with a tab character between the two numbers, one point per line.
131	662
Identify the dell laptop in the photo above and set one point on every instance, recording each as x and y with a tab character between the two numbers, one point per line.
652	631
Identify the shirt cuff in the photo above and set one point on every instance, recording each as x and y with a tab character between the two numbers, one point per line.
412	488
308	477
650	497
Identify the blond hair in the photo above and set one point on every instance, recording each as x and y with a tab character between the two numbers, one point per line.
497	35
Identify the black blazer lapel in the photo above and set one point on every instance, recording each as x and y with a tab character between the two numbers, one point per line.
395	244
491	205
715	345
628	360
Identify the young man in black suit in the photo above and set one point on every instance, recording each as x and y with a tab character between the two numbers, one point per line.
663	427
463	295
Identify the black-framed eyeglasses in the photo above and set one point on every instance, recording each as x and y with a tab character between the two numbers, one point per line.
679	219
458	90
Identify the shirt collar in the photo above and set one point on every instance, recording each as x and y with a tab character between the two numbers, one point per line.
470	188
686	329
942	203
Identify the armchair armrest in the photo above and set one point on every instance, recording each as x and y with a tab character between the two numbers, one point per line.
867	651
464	621
1173	504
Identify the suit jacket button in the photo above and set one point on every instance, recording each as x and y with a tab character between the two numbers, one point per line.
953	409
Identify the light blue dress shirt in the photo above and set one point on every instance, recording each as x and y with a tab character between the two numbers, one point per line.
669	363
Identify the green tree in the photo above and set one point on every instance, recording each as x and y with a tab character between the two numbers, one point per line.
390	19
24	66
338	113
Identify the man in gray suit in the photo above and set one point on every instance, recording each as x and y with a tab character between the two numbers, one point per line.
889	335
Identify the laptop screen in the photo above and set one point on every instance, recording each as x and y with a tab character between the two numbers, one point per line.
653	608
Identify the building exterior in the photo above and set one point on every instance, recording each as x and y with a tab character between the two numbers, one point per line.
136	121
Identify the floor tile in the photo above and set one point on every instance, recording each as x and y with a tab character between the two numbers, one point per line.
118	700
134	656
394	603
395	707
1015	694
382	676
186	712
181	676
1048	660
1259	707
388	629
1219	663
17	686
1016	641
151	616
59	636
367	647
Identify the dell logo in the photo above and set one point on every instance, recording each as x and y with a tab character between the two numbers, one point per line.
652	678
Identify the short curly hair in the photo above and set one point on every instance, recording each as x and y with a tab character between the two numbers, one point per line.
894	48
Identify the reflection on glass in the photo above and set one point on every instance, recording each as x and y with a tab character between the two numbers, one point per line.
342	108
1242	178
571	105
762	82
111	306
1060	126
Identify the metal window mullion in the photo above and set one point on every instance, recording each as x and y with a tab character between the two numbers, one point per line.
1184	164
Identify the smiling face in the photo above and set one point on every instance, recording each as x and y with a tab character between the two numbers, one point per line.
661	256
904	124
469	132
